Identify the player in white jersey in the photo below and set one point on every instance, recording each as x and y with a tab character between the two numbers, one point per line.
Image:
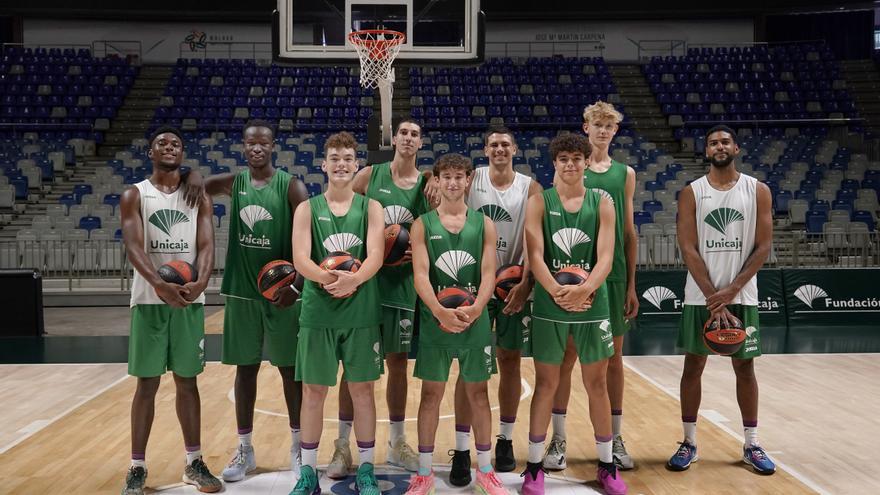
725	229
501	194
167	320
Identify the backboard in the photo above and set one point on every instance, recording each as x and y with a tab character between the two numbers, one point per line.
437	31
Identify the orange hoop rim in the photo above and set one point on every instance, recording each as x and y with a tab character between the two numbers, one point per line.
377	49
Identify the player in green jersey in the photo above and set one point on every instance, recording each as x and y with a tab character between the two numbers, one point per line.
400	188
263	201
454	246
570	225
616	181
167	320
340	309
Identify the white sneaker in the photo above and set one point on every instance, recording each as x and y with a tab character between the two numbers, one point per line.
622	458
243	462
296	461
402	455
340	463
555	457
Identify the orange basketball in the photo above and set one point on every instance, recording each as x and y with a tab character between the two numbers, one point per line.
506	278
275	275
455	297
341	260
571	275
724	340
396	244
178	272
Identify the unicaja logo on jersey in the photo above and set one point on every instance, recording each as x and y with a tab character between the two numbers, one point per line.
250	215
657	294
343	241
603	193
451	262
165	220
496	213
719	219
566	239
396	214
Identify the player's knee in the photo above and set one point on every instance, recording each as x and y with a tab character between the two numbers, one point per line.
744	368
396	361
314	392
288	373
546	382
478	395
186	385
615	363
148	386
247	372
508	360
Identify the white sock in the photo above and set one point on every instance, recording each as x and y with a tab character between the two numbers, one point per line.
139	463
536	450
366	451
295	439
310	454
246	439
484	458
750	433
397	431
690	432
192	455
559	424
603	449
426	460
462	437
345	429
506	430
616	421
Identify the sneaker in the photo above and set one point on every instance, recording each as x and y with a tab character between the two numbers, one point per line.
365	480
243	462
489	484
135	481
460	474
533	479
756	457
504	459
307	483
683	457
197	474
340	463
555	457
402	455
421	485
622	458
610	480
296	460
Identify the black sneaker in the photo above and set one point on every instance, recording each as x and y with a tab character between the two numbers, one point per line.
460	474
504	459
134	481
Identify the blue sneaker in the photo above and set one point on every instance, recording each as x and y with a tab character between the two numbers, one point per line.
756	457
307	483
683	457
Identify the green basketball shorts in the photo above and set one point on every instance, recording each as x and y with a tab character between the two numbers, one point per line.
397	329
321	349
166	339
690	332
593	341
474	365
511	331
617	308
249	323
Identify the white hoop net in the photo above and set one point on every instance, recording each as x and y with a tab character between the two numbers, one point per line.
377	49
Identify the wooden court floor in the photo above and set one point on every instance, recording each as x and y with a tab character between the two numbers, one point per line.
65	428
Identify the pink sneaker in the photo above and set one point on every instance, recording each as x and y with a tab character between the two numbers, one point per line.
533	479
421	485
489	484
611	481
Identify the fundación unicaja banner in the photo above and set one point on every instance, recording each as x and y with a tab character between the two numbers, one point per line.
847	297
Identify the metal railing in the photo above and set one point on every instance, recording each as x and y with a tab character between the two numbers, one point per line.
645	49
75	260
516	49
252	50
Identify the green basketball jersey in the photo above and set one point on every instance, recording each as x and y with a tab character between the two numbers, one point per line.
346	233
259	232
455	259
570	239
612	185
402	206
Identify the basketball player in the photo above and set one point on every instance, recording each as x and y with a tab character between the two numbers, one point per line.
167	320
340	314
263	201
617	182
398	186
501	193
570	225
454	246
725	229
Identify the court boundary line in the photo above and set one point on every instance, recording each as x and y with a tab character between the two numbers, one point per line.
64	413
790	470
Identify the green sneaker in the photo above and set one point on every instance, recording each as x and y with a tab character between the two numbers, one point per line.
198	475
365	480
307	483
135	481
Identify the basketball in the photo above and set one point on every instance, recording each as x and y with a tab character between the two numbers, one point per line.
505	278
571	275
178	272
275	275
341	260
724	340
396	244
455	297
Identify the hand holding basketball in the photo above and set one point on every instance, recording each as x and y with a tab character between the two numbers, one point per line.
721	298
452	320
172	294
345	285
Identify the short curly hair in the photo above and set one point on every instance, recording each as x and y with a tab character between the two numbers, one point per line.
340	140
452	161
572	143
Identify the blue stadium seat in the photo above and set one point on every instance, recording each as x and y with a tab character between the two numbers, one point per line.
90	223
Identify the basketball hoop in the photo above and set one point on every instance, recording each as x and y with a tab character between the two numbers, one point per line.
377	49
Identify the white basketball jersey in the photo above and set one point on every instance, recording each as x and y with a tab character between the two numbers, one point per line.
169	234
507	209
726	236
